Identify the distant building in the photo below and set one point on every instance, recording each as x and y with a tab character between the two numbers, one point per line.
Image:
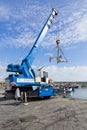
75	83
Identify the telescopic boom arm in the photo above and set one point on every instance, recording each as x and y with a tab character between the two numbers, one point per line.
40	37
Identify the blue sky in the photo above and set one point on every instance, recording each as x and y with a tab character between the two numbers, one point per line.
22	20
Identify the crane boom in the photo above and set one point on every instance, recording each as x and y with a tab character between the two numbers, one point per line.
40	37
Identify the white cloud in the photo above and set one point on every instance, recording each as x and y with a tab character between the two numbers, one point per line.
71	21
23	40
74	73
4	13
23	25
2	72
81	28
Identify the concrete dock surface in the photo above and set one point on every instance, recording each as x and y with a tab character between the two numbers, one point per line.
57	113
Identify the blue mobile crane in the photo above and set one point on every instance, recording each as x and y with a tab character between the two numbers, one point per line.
23	76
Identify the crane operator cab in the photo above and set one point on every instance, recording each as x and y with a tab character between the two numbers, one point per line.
42	76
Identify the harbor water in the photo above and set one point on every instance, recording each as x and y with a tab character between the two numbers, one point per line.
80	93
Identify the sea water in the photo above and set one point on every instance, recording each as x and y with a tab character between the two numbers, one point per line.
80	93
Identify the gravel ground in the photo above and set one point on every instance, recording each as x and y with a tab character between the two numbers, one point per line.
56	113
